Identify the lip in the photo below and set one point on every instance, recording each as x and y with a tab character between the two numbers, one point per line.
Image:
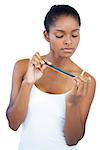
68	49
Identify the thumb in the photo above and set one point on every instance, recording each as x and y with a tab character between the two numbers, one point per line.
44	65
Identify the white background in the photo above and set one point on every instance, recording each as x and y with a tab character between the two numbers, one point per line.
21	27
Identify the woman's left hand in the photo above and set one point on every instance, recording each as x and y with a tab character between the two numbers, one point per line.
79	89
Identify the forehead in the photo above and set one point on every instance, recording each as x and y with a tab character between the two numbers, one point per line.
65	23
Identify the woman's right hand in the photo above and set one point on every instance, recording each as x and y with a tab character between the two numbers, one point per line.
35	69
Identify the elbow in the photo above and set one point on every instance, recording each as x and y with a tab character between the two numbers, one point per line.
74	141
12	126
11	122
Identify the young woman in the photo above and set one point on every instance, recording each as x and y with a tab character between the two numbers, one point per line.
52	107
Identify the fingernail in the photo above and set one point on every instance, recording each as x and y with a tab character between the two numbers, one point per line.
89	78
74	80
42	62
37	66
78	83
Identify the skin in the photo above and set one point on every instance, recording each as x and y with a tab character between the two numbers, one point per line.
64	33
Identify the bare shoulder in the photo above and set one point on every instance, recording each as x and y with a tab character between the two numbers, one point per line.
22	64
20	67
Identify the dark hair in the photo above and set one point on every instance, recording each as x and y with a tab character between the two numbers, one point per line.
60	10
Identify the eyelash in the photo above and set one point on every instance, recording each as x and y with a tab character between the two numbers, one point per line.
59	36
74	36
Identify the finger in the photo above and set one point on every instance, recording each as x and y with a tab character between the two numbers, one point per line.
43	67
35	64
42	61
84	82
81	76
89	79
84	79
37	60
75	87
85	88
80	87
87	85
41	64
35	56
40	58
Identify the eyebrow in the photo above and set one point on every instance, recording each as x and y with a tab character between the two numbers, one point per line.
58	30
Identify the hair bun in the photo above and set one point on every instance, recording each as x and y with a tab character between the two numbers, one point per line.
53	7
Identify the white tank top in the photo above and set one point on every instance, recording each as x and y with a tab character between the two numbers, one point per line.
44	123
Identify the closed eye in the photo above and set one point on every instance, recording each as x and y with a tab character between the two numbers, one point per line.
59	36
74	36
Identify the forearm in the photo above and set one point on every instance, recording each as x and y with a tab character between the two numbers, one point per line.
17	112
73	129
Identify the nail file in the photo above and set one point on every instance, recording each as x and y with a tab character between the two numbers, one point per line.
59	70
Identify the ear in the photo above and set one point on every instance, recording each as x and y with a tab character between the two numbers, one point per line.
46	36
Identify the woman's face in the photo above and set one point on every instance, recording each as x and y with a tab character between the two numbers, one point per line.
63	36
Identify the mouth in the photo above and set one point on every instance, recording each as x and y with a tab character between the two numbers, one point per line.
68	50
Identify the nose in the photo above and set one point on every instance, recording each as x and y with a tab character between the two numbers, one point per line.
68	40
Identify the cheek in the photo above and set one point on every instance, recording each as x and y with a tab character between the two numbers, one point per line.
54	42
76	41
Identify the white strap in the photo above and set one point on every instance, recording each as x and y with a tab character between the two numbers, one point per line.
82	73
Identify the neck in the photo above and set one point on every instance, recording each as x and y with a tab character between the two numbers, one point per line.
61	62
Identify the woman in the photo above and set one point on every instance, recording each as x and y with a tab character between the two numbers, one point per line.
52	107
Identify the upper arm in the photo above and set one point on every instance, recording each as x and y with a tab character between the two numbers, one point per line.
87	100
17	77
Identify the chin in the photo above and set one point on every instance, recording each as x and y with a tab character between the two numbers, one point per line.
67	55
